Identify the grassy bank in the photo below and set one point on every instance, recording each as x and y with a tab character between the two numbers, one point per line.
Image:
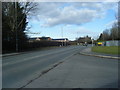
107	49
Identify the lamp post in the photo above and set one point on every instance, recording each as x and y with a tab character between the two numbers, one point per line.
65	42
77	38
62	34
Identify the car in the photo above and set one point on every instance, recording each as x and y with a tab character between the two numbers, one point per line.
84	44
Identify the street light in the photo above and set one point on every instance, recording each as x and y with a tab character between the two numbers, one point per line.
62	33
77	38
65	42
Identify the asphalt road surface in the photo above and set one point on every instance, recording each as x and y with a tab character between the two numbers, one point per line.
20	69
77	71
80	71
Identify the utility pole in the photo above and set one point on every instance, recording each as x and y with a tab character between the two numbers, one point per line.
16	26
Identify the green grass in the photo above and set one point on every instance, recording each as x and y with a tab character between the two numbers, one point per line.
107	49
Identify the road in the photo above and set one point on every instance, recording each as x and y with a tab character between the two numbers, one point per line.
20	69
80	71
77	71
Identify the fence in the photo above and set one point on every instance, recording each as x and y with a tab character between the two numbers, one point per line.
111	43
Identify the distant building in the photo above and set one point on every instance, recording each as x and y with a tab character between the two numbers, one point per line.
34	39
39	39
61	40
84	39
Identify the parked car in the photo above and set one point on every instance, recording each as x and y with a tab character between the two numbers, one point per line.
85	44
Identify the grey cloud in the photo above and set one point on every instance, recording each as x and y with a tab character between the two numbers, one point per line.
73	16
71	13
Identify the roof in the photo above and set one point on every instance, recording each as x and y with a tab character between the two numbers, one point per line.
61	39
34	38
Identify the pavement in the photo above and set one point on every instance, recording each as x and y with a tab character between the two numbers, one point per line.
9	54
79	71
88	52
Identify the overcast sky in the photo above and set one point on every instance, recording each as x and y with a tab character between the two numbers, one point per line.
75	19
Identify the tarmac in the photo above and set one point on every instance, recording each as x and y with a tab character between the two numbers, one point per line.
81	71
86	51
65	74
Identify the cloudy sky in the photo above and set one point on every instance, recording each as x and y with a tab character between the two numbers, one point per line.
75	19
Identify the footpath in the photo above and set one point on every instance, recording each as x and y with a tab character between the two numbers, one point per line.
88	52
10	54
80	71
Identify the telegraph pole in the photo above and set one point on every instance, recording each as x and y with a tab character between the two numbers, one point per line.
16	26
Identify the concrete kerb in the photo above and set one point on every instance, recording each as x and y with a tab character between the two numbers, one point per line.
12	54
101	56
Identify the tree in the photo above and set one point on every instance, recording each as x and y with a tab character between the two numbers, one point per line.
100	37
8	25
114	32
14	22
106	35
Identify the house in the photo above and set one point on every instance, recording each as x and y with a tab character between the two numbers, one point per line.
45	39
84	39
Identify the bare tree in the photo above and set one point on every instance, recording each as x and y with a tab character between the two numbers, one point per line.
29	8
14	20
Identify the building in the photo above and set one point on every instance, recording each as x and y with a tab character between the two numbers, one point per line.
84	39
34	39
61	40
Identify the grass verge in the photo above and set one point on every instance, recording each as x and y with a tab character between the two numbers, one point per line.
107	49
